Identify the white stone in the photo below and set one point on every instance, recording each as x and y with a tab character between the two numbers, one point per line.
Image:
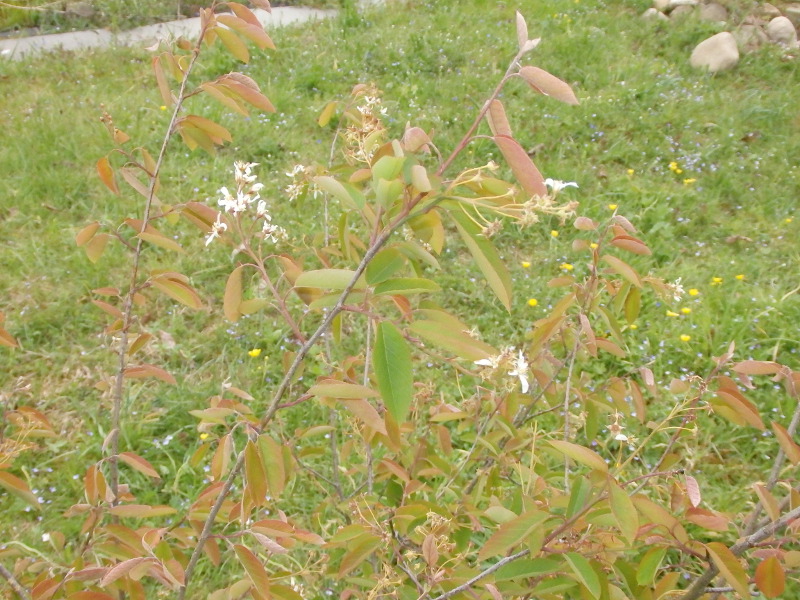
781	31
717	53
654	14
676	3
713	12
661	5
769	11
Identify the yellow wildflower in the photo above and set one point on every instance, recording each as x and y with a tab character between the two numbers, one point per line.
526	264
203	436
686	338
593	245
671	313
633	326
788	219
162	107
740	277
673	166
532	302
689	180
716	280
686	310
612	207
255	352
631	171
694	292
554	233
567	266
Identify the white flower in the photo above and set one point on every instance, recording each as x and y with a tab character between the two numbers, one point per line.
274	233
243	172
217	229
297	170
557	186
45	537
520	371
677	289
492	362
261	210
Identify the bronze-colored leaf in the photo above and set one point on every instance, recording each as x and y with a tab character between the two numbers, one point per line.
106	174
547	84
522	166
232	299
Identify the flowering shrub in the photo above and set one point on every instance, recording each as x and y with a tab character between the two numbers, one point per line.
527	470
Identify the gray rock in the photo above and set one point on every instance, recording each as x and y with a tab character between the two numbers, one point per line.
781	31
681	11
750	37
653	14
713	12
792	12
717	53
673	4
769	11
661	5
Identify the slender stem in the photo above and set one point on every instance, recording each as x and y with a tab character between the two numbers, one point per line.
485	573
15	585
127	311
698	588
367	444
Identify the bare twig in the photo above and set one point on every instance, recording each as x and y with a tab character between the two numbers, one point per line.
15	585
698	588
127	311
483	574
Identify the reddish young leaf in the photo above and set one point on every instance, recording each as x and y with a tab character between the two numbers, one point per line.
787	444
6	339
622	268
547	84
163	86
178	290
254	569
522	31
123	568
141	511
232	299
145	370
757	367
768	501
86	234
496	117
522	166
693	491
137	462
631	244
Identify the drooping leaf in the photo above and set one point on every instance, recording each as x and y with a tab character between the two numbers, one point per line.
163	86
624	512
95	247
453	340
254	568
357	552
161	241
233	43
385	264
327	113
729	567
486	257
757	367
787	444
123	568
274	466
141	511
631	244
406	286
525	172
622	268
106	174
256	476
340	389
527	567
497	119
693	491
178	290
336	279
145	370
86	234
392	362
232	299
365	412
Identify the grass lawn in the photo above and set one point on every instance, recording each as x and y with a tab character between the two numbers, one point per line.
705	166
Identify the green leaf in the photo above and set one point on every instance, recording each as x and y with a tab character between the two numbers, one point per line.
385	264
624	511
585	573
392	360
357	552
730	567
648	565
406	286
232	299
341	389
336	279
453	340
349	196
530	567
255	474
511	533
485	256
178	290
580	454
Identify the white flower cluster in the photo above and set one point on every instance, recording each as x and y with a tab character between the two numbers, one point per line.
247	194
518	366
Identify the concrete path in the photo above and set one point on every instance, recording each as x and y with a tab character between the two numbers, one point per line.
15	49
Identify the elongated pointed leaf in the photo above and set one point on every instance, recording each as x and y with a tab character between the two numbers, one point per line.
770	577
232	299
138	463
340	389
179	291
358	552
624	511
497	119
787	444
521	165
486	257
106	174
392	360
585	573
254	568
512	533
18	487
255	473
730	567
580	454
547	84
